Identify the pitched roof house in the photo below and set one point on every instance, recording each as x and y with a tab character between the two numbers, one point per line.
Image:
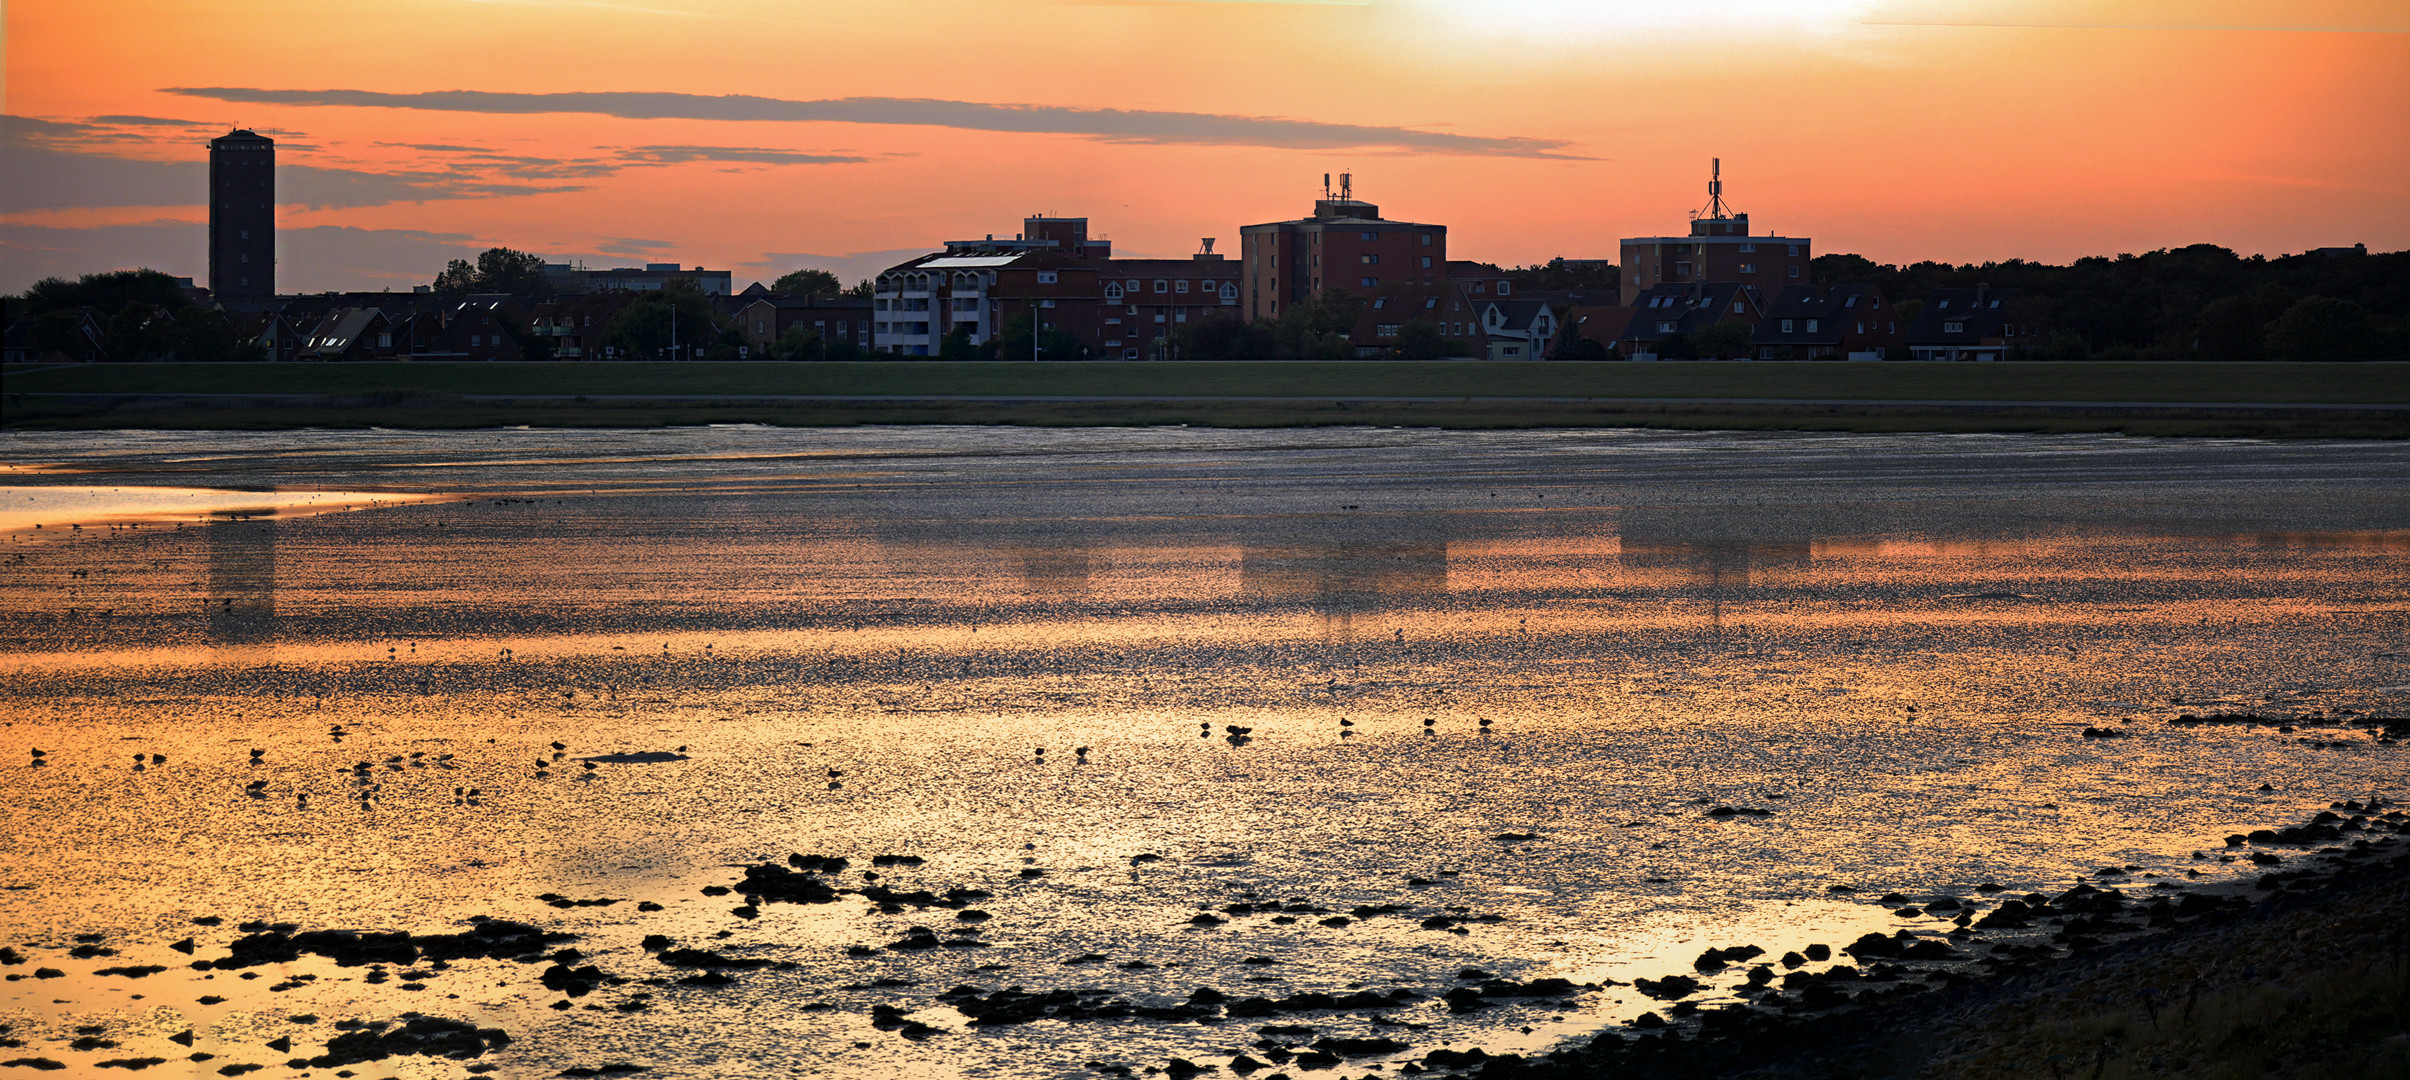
1966	324
1685	308
1829	322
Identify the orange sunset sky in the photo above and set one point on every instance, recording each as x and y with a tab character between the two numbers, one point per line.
412	131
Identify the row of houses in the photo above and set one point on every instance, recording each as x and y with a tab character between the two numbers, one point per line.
424	326
1674	293
1809	322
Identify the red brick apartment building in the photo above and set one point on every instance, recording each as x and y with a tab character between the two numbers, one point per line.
1347	244
1719	248
1121	309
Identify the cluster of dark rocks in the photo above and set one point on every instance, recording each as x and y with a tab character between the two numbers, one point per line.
487	938
2386	730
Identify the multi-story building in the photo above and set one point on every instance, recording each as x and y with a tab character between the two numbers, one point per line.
242	218
1346	245
1146	301
570	279
1125	309
1828	322
1720	248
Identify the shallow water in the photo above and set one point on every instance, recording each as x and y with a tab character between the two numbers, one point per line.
1891	642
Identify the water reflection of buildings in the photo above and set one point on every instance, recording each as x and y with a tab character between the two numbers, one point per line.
242	579
1712	554
1341	580
1054	569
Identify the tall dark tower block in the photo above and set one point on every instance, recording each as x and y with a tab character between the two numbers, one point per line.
242	216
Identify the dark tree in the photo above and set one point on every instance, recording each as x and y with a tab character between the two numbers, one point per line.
807	282
2323	328
104	292
643	330
497	270
1420	340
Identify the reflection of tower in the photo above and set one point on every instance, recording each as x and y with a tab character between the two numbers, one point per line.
1054	570
1708	554
1342	579
242	580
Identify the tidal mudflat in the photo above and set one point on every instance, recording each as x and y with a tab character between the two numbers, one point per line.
1033	753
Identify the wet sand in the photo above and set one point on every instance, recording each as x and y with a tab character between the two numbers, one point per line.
853	644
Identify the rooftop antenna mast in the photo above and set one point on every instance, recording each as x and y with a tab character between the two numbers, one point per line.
1326	186
1715	190
1347	187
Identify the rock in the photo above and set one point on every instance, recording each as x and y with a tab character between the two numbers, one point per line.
424	1036
1669	988
1819	952
1873	945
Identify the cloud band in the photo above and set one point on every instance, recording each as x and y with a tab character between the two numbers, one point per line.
1117	125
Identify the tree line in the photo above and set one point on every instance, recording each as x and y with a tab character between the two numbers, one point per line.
2202	302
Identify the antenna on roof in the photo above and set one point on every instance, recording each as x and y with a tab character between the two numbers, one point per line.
1326	185
1346	187
1715	190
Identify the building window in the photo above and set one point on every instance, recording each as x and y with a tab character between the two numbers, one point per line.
1953	328
1162	286
1681	269
1811	326
1371	236
1503	288
1786	326
1369	282
1385	330
1794	254
1047	277
1180	286
1112	290
1426	262
1748	249
1748	268
1046	303
1794	271
1665	328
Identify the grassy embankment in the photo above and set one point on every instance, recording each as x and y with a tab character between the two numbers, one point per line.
2221	399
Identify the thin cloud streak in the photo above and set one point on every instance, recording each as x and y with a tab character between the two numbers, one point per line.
1113	125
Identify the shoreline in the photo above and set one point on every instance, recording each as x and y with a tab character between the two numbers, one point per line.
2312	400
2302	965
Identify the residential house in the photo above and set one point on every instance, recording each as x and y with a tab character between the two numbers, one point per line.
480	328
1829	322
350	333
1663	311
574	325
275	335
1967	324
1385	316
764	317
1602	323
1520	329
42	340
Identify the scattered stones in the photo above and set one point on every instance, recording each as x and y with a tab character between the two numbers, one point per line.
424	1036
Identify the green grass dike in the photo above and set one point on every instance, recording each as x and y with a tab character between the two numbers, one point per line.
2353	400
